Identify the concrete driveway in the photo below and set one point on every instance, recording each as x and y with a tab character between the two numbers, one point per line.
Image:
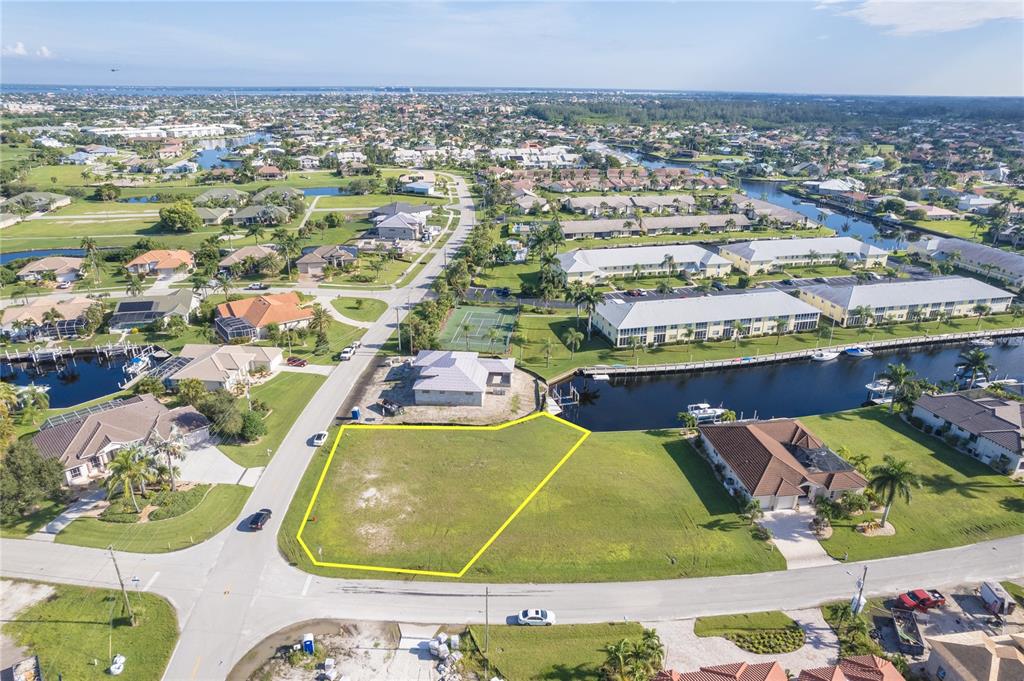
794	538
76	510
687	652
206	463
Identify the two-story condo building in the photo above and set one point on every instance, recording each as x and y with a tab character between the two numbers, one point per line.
597	264
754	257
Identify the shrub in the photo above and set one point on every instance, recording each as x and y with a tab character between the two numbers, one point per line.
253	426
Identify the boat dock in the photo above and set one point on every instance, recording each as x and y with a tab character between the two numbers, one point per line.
653	369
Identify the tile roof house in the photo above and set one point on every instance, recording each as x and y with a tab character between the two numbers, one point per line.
277	194
161	262
989	428
223	196
36	202
238	256
313	263
402	226
223	366
270	173
63	267
27	320
779	462
419	210
976	656
859	668
452	378
267	215
736	671
213	216
85	441
249	317
139	311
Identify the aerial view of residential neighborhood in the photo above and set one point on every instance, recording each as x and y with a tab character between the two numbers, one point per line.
553	340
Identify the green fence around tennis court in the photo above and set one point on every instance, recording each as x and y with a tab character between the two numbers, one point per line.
481	329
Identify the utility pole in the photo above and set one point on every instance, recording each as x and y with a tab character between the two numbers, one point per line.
858	601
487	626
398	321
124	592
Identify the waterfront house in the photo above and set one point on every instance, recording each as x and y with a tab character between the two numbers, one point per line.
140	311
755	257
452	378
402	226
989	428
63	268
35	202
975	656
245	254
605	228
420	211
180	168
314	262
673	320
84	441
160	262
221	196
249	318
29	320
779	463
257	214
901	301
598	264
225	366
277	195
996	263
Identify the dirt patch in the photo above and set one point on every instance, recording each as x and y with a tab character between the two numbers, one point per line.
873	529
378	538
15	597
362	651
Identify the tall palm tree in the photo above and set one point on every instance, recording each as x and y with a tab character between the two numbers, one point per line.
863	314
572	295
88	244
134	285
127	469
890	480
981	310
900	378
256	230
572	339
224	285
589	299
737	331
172	449
781	327
321	319
976	362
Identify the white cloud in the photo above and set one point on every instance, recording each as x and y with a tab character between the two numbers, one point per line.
16	50
44	52
906	17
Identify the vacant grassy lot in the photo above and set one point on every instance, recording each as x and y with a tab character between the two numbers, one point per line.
766	633
742	235
535	329
390	497
962	229
220	507
567	652
287	395
374	200
360	309
626	506
33	522
960	501
77	625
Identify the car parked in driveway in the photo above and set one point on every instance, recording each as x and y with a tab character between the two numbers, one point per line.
259	519
296	362
257	287
536	618
921	599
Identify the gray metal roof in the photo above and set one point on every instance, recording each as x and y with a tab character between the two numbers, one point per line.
594	259
762	303
769	250
902	293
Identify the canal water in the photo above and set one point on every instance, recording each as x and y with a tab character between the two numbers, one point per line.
326	191
785	389
8	256
212	152
76	380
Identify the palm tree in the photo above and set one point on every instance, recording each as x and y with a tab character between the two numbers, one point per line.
134	285
172	449
890	480
981	310
781	327
737	331
572	294
572	339
616	657
664	286
88	244
752	511
127	469
687	419
547	346
228	231
8	398
863	314
256	230
635	343
224	284
320	321
899	377
976	362
589	298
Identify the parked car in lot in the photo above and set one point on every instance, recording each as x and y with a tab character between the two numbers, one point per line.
296	362
921	599
258	286
346	354
718	286
787	282
319	438
536	618
634	292
259	519
504	292
821	280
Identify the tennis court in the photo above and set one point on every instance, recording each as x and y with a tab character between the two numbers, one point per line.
483	329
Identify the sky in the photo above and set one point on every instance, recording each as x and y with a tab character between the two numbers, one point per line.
892	47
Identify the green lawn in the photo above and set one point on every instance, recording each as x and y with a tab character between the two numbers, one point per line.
962	229
360	309
534	329
77	625
375	200
1015	590
626	506
33	522
694	238
286	395
102	208
767	633
218	510
567	652
338	336
960	501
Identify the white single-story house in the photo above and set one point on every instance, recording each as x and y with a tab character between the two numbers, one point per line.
989	428
224	366
452	378
64	268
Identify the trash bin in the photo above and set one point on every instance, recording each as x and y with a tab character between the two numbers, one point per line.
307	644
355	413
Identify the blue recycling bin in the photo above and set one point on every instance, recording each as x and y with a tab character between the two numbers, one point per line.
355	413
307	644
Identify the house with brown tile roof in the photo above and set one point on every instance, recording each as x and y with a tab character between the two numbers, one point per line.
85	441
778	462
22	320
859	668
161	262
976	656
250	317
736	671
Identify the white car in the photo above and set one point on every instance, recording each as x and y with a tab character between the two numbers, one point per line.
536	618
320	438
347	353
64	285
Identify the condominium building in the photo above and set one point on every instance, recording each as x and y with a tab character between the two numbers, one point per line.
1004	266
754	257
674	320
903	300
598	264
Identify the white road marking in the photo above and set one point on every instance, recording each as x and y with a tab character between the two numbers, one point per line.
305	587
151	580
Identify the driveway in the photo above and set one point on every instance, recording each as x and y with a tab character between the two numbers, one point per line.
794	538
319	369
206	463
687	652
76	510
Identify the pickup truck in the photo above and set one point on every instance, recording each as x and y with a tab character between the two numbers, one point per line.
921	599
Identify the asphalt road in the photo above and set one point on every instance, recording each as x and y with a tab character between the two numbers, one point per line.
235	589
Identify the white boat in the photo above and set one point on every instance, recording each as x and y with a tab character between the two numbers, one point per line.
858	351
601	377
982	342
881	385
704	412
824	355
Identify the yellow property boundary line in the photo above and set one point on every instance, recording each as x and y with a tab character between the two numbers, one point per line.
487	544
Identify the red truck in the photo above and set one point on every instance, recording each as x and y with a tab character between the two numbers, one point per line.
921	599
